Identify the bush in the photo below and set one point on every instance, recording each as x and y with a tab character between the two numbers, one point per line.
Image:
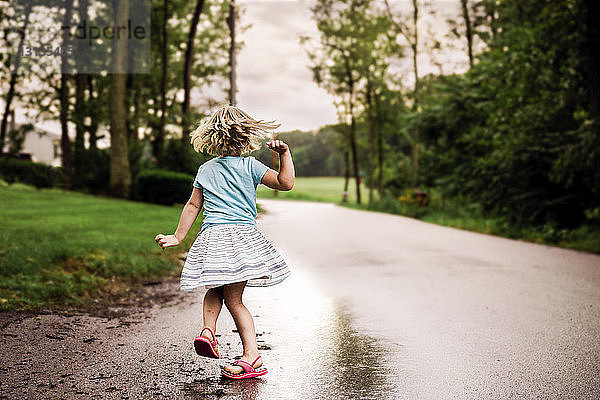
36	174
162	187
95	176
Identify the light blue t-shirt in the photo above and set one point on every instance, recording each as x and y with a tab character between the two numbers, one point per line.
229	188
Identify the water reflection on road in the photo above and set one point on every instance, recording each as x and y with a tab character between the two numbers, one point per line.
317	352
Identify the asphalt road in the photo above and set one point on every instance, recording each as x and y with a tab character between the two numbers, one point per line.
377	307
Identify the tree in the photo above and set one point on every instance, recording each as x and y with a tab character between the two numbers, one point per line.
468	29
348	36
232	53
120	174
159	140
65	141
518	132
81	110
410	32
477	20
14	74
196	53
187	67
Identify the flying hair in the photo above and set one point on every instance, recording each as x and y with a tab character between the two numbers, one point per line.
230	130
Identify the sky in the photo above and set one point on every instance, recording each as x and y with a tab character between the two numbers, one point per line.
274	79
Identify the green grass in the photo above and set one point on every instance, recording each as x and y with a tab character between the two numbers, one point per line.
327	189
65	248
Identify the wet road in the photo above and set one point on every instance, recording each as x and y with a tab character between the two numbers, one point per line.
378	307
399	308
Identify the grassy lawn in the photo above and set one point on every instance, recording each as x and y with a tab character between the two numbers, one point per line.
328	189
65	248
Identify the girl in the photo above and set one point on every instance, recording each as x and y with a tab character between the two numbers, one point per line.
230	253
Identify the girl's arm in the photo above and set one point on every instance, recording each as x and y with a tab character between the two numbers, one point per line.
284	180
188	216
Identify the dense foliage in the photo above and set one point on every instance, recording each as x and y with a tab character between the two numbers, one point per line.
519	132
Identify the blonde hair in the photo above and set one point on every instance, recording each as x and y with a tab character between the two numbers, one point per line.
230	130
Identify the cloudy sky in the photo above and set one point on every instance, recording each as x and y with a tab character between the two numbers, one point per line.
273	77
274	80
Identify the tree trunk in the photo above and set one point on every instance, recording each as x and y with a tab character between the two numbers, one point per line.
13	79
379	148
346	175
134	123
120	174
81	107
65	142
354	156
415	48
371	122
79	117
132	88
352	127
93	128
415	135
187	70
469	33
232	58
159	141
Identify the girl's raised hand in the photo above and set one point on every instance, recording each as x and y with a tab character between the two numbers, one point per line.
278	146
166	240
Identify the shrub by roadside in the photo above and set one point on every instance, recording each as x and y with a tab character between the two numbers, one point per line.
468	214
31	173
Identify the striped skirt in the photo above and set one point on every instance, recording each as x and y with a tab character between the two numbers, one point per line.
230	253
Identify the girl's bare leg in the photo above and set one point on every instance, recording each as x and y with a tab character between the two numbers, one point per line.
211	308
243	321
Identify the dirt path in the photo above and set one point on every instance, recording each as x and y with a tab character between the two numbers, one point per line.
378	307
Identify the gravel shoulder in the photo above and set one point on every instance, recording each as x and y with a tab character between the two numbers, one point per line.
66	354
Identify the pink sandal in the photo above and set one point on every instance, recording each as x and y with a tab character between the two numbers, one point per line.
205	347
248	370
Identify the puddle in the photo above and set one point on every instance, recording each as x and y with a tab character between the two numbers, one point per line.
223	389
317	352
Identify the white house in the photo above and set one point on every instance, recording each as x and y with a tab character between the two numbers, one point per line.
42	144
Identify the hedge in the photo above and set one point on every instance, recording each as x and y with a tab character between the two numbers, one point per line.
31	173
162	187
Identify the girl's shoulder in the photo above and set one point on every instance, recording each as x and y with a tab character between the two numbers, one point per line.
207	163
219	162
